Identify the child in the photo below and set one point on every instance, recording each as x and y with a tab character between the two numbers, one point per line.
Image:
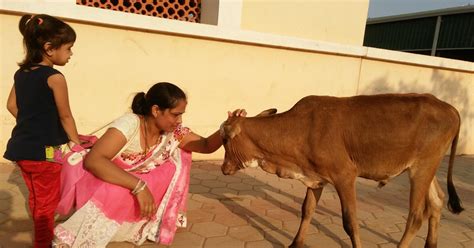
44	122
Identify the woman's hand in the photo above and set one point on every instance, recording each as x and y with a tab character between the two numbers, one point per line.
236	113
146	202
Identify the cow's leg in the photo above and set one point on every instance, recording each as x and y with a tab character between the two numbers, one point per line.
307	210
347	195
420	180
434	204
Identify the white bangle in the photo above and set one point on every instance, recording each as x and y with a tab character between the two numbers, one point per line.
141	188
137	186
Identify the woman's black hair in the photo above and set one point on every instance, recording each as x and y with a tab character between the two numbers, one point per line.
165	95
37	30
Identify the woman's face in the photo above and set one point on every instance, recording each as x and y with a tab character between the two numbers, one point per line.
167	120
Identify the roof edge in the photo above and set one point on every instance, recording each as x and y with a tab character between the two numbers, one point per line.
422	14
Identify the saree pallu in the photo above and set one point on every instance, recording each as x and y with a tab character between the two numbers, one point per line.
110	213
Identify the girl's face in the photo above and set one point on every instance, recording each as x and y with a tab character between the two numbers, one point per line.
60	56
167	120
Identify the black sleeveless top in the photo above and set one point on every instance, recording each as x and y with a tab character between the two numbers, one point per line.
37	122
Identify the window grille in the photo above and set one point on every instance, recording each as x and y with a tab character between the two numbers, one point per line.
183	10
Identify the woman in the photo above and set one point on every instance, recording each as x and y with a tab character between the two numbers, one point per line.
139	174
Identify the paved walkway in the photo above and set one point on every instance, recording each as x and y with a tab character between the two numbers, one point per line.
256	209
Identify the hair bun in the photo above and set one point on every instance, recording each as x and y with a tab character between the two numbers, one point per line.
139	105
22	24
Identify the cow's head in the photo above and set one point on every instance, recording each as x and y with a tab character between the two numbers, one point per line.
238	151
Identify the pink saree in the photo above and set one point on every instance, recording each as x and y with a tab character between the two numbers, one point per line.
107	212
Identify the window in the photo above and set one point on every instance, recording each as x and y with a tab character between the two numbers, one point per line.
183	10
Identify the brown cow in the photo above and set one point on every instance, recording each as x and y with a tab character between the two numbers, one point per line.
334	140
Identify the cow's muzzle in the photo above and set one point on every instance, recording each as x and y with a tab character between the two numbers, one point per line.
228	169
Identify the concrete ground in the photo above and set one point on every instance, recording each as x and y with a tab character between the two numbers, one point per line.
257	209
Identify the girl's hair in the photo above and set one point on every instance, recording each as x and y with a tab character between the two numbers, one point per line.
37	30
164	95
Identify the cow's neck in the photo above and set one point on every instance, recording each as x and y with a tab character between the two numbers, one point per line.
279	156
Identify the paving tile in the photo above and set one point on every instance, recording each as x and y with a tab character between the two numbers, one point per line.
213	184
229	179
225	241
253	182
224	191
198	216
252	194
262	244
230	219
279	236
196	189
246	233
249	211
469	234
265	223
194	181
205	198
322	241
5	195
279	197
292	226
16	239
374	236
187	240
265	204
255	209
209	229
236	201
215	208
468	244
204	176
332	230
239	186
193	204
281	214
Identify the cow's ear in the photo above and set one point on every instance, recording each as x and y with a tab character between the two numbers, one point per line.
268	112
230	131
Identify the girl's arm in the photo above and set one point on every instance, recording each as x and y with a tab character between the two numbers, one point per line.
99	162
195	143
57	83
11	103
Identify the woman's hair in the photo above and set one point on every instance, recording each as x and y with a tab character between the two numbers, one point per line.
37	30
164	95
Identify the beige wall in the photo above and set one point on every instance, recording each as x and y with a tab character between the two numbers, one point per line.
340	21
222	71
454	87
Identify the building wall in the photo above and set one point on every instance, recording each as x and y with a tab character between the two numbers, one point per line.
222	70
454	87
339	21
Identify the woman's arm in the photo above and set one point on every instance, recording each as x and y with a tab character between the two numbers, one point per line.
57	83
99	162
11	103
195	143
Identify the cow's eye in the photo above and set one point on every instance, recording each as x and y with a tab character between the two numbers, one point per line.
224	141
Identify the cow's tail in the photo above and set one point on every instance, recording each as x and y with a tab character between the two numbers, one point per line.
454	203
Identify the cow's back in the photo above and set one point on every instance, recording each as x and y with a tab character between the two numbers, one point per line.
381	134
